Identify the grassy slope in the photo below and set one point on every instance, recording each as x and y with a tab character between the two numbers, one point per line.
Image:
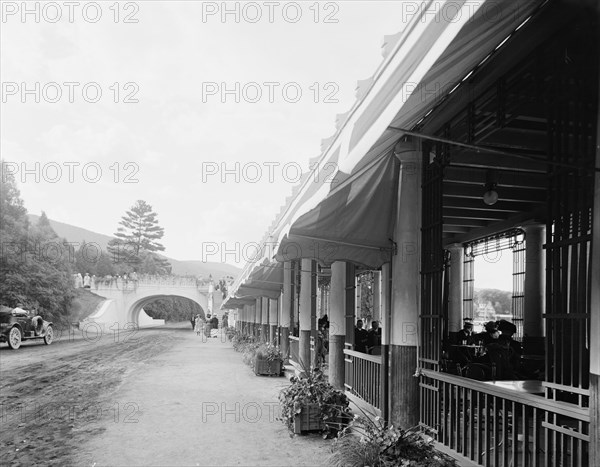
83	305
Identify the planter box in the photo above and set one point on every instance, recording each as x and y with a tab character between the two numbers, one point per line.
269	368
309	419
339	422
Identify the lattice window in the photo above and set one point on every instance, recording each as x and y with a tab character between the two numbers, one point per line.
468	284
518	295
513	239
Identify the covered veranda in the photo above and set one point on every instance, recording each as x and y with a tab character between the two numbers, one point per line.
518	116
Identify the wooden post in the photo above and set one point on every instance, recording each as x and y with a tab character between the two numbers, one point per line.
264	322
535	281
308	309
287	308
386	310
595	311
337	322
455	308
404	389
350	304
273	319
377	296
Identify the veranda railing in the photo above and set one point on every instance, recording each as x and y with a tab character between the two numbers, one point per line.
501	427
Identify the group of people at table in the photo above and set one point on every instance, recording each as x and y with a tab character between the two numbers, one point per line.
491	354
367	341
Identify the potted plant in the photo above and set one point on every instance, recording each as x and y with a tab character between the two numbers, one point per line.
230	332
370	442
268	360
249	353
311	403
240	341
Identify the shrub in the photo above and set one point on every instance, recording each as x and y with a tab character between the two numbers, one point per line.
366	442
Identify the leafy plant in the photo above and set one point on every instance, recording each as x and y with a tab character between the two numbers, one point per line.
240	341
249	354
269	352
369	442
312	387
230	332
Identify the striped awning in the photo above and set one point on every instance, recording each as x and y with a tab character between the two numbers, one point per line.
339	210
349	216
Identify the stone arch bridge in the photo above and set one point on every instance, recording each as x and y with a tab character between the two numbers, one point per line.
125	300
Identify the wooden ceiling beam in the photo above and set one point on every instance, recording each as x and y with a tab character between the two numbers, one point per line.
469	216
517	195
504	178
465	221
470	158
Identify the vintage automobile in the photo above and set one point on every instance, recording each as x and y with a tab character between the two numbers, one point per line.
17	325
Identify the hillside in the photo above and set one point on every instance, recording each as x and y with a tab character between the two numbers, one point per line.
192	267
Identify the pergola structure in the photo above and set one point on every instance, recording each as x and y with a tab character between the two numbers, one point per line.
494	147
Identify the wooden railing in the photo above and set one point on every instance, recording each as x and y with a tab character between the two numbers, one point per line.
494	426
363	376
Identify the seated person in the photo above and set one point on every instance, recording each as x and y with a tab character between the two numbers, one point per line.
499	355
373	337
508	329
461	355
464	335
490	335
360	337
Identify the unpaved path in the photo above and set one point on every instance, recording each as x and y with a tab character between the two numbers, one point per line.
163	397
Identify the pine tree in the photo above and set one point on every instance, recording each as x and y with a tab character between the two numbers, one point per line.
137	239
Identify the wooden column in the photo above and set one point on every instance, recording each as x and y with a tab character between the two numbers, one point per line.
258	318
386	311
253	311
595	311
404	387
273	319
377	296
358	301
341	274
264	322
534	301
287	308
308	308
455	305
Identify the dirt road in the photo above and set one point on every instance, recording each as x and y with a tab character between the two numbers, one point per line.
154	397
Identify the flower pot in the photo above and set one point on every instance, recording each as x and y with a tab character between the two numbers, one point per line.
339	422
266	367
309	419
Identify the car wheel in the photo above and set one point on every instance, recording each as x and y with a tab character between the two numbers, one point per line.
49	337
14	338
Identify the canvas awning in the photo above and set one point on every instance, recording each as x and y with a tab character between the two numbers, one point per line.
235	302
354	223
262	280
351	218
265	281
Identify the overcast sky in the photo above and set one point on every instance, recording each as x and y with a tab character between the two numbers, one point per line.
169	136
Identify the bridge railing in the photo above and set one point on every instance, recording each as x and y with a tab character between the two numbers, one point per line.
118	283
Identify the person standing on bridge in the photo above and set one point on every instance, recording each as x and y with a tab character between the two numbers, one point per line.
134	278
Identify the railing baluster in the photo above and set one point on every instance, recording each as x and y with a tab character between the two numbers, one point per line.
505	422
515	434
